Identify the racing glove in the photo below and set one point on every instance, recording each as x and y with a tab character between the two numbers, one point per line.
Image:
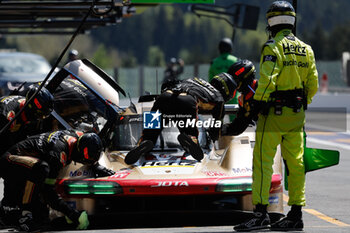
257	107
101	171
80	219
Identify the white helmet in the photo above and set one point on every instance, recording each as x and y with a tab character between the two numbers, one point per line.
281	13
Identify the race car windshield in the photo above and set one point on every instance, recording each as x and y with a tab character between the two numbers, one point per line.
129	130
79	106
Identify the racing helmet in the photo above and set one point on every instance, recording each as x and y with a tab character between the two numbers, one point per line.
173	61
89	148
225	45
281	13
73	55
243	72
225	84
42	104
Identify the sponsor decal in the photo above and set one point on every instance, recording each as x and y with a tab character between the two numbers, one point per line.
242	170
8	99
295	63
294	49
13	127
169	163
270	58
170	184
54	137
78	173
214	173
120	174
273	200
201	83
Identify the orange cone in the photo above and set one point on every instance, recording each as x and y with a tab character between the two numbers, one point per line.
324	83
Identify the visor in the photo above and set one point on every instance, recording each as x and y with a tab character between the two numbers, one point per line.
281	19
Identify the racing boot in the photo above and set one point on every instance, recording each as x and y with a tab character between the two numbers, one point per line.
292	222
191	146
27	223
135	154
260	220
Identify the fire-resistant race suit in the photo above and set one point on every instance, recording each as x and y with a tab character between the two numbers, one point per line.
288	81
30	169
20	128
183	102
246	114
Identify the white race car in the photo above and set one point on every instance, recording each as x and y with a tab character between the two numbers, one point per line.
167	179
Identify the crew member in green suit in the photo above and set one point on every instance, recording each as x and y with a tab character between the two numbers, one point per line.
223	63
288	81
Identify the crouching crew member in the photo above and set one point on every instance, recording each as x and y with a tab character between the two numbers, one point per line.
30	169
187	99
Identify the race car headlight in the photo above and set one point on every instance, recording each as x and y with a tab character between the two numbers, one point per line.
92	187
234	185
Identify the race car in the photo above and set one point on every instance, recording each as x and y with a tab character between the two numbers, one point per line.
168	178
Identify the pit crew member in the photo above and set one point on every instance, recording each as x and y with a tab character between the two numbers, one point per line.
243	72
223	62
171	74
28	122
288	81
30	168
187	99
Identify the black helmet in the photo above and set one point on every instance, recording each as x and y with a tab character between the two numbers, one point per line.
225	45
73	54
173	60
281	13
243	72
224	83
42	104
89	148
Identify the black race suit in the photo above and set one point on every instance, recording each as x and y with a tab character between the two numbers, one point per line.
20	128
30	168
184	101
247	113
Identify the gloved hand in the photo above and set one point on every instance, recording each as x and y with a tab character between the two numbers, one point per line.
257	107
101	171
80	219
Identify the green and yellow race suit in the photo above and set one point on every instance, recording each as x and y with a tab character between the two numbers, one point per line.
286	64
